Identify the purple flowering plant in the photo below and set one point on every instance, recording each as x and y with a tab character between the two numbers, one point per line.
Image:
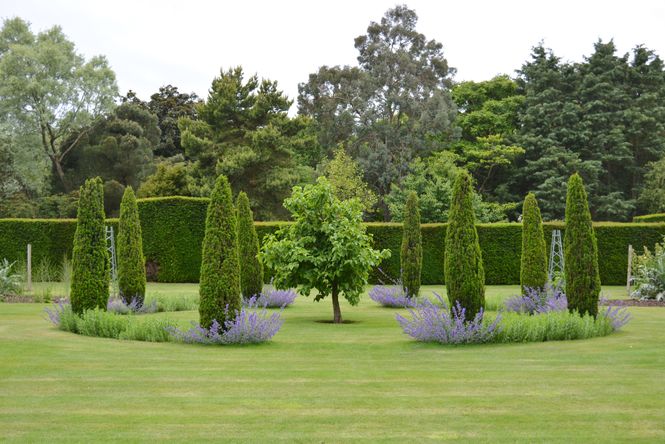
271	297
391	295
538	300
119	305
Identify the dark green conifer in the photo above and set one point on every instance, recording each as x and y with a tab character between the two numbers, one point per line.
131	263
412	249
463	262
251	268
580	251
90	260
219	287
533	269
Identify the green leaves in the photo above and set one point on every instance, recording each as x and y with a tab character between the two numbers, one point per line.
251	268
411	252
533	268
131	263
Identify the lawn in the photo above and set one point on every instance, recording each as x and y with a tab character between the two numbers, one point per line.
319	382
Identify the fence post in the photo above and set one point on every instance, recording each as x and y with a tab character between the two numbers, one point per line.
29	268
630	268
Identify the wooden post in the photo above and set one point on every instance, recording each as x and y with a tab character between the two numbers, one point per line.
630	268
29	268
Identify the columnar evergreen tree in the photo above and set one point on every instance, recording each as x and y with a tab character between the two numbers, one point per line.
533	270
251	268
580	251
412	250
131	263
463	263
90	260
219	288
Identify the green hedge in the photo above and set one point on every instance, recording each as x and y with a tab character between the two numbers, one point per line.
657	217
173	232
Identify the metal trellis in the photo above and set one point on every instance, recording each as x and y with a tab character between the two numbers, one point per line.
556	259
110	244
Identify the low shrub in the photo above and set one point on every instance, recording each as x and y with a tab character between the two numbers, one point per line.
250	326
430	322
10	282
392	296
649	274
135	306
271	297
537	300
173	303
552	326
148	330
101	323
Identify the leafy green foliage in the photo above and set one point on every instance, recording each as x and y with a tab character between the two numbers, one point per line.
648	277
131	263
170	179
220	266
411	253
652	196
465	275
580	251
326	248
251	268
533	269
346	177
90	261
10	282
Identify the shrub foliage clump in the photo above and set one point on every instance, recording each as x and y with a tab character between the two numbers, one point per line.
463	261
90	260
131	263
580	251
251	268
533	267
219	288
411	253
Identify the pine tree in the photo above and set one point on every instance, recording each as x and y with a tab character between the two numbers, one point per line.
90	260
251	268
533	270
219	287
580	251
463	262
131	263
412	250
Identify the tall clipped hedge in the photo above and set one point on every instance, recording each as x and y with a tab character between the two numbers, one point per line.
580	251
219	288
533	269
650	218
465	276
251	268
411	252
90	260
131	263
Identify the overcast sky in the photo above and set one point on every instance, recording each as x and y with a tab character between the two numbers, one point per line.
185	43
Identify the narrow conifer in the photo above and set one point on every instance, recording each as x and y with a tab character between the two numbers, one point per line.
412	249
131	263
533	269
251	268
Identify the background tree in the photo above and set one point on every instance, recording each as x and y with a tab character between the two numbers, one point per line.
131	263
463	261
326	248
652	197
346	177
411	253
251	268
50	90
90	261
170	179
243	131
219	287
580	252
533	268
395	106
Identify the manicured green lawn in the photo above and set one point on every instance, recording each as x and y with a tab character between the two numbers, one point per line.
319	382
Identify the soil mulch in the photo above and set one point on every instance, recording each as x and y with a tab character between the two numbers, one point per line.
633	303
16	299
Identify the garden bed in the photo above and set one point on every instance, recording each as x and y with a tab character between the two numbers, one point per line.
633	303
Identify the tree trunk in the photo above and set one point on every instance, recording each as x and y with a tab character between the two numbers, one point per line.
61	173
337	313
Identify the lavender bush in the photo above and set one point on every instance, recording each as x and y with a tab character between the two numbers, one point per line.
272	298
618	316
391	296
430	322
250	326
120	306
538	300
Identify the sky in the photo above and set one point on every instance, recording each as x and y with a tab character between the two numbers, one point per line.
185	43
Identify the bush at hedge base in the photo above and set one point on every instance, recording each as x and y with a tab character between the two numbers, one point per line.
219	288
90	260
533	266
411	253
463	261
131	263
251	268
580	251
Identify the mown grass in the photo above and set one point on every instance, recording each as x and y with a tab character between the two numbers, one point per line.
319	382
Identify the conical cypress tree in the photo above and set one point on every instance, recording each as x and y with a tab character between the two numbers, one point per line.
219	287
90	259
251	268
131	263
533	270
412	249
580	251
463	261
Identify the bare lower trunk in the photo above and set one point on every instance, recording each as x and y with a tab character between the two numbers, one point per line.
337	313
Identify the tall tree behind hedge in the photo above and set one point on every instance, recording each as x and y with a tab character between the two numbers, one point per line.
251	268
219	287
131	263
533	269
412	249
580	251
90	260
463	261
